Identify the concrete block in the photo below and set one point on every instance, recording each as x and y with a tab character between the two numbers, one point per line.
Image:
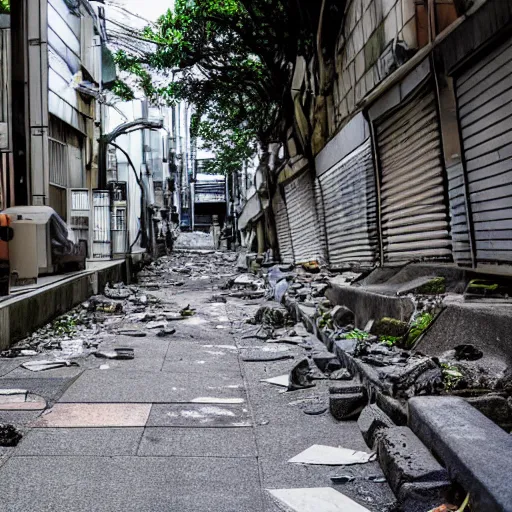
345	407
390	327
323	359
421	496
495	407
404	458
371	421
475	451
347	387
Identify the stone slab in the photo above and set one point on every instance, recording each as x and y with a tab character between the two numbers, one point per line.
94	415
317	499
199	415
198	442
130	484
404	459
475	450
51	389
150	387
101	442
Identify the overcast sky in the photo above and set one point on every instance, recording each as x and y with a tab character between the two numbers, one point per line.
149	9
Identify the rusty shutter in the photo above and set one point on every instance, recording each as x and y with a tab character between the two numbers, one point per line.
484	94
283	228
302	215
413	205
348	190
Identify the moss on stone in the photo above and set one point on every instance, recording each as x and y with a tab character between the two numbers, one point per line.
390	327
435	286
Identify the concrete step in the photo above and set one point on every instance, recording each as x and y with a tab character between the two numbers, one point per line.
417	479
474	450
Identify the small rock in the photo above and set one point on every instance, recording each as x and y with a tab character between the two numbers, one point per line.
166	332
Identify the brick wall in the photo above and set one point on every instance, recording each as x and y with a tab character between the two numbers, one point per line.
369	30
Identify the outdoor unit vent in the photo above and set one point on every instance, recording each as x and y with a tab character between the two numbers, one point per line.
119	218
79	214
101	243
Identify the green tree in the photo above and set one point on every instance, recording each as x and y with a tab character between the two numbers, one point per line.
234	61
5	7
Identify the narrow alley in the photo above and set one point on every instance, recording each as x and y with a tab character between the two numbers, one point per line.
187	425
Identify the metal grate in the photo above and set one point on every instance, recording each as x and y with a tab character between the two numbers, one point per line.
102	235
58	163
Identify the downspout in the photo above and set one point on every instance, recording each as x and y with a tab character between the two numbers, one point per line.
142	229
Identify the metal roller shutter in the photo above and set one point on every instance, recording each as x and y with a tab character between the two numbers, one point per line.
348	190
300	201
484	95
283	228
320	211
413	206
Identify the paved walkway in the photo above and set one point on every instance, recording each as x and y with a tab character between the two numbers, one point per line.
184	427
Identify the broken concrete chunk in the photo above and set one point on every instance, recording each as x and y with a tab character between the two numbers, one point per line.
157	325
299	376
346	406
405	460
270	316
134	333
323	359
117	353
39	366
342	316
371	421
341	374
166	332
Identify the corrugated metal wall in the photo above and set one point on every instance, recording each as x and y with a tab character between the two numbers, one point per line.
350	209
320	211
302	215
283	228
484	95
461	246
413	205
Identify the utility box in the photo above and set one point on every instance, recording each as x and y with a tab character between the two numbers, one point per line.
23	253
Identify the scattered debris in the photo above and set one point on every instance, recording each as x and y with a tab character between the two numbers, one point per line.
319	499
331	456
341	374
267	358
282	381
344	479
166	332
187	311
300	376
134	333
9	435
116	353
39	366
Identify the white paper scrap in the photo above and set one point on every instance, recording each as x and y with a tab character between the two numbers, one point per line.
213	400
316	499
331	456
282	380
